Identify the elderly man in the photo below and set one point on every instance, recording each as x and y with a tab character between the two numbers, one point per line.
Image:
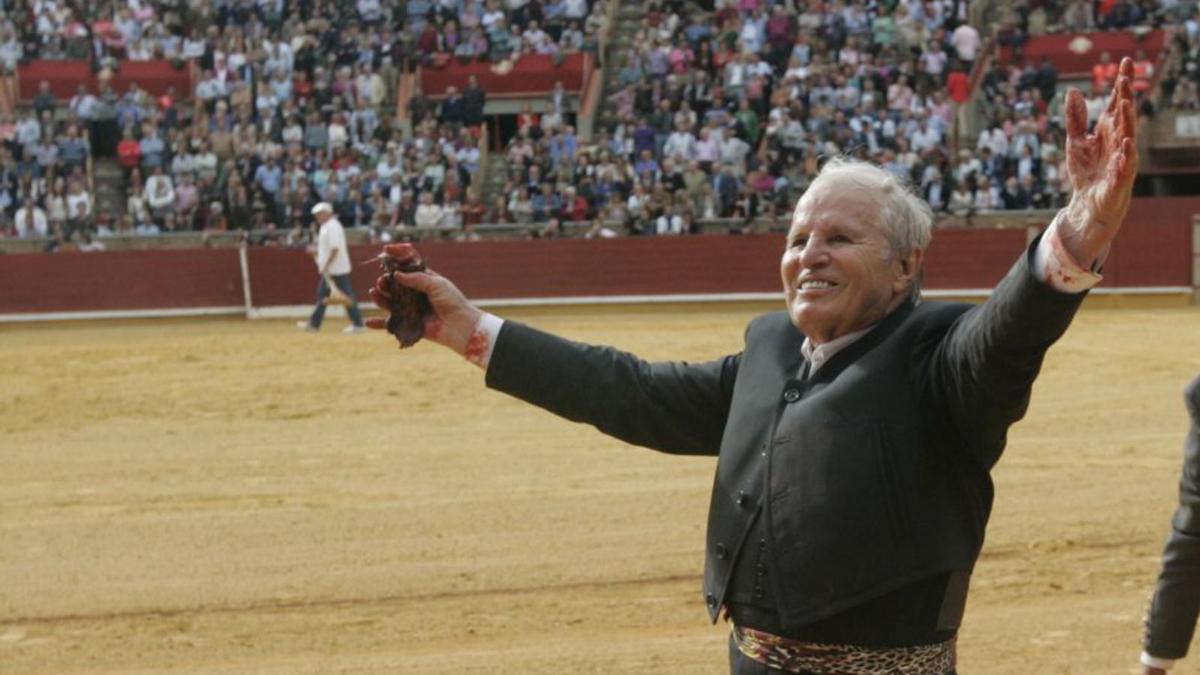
1172	619
857	429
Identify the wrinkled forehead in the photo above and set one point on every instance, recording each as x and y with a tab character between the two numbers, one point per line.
837	203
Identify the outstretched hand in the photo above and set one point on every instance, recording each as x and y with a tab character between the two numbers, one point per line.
1101	166
453	319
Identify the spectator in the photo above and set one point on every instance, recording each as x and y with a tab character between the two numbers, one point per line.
452	108
966	41
151	148
137	206
129	150
1104	73
428	214
147	229
1143	72
473	101
54	203
73	150
79	207
44	101
269	176
160	195
669	223
89	245
187	199
30	220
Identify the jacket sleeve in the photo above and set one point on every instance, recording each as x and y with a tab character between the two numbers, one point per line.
982	368
673	407
1172	618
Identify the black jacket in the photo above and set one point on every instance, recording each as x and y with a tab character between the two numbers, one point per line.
870	475
1172	618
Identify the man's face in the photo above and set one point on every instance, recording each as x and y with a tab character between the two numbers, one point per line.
839	272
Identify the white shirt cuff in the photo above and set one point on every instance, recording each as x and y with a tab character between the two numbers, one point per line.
1155	662
1056	267
483	340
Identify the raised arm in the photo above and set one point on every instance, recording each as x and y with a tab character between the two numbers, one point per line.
1101	167
983	371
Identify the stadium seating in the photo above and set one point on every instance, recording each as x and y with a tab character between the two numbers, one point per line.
249	116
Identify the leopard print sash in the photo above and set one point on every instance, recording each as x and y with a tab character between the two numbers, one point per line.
793	656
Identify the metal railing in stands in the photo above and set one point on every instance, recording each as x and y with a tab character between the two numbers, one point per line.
573	229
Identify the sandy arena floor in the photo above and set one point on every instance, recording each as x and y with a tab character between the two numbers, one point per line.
238	497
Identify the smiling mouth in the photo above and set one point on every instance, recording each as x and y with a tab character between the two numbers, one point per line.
815	285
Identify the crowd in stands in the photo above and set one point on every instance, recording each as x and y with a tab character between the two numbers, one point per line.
724	113
1181	74
727	114
294	105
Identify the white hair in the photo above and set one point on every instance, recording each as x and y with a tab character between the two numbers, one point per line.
905	218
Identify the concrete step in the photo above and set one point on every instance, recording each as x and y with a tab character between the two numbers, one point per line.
109	186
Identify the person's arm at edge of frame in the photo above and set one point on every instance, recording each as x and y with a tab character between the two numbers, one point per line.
1168	610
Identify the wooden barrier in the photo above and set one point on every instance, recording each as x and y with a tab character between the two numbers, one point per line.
64	78
120	281
1196	261
1153	256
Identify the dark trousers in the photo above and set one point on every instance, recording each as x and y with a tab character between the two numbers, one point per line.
343	283
740	664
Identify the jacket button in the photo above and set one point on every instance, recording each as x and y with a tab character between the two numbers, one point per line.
711	600
722	552
743	499
791	395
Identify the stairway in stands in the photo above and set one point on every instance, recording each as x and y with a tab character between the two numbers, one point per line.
497	175
629	20
109	183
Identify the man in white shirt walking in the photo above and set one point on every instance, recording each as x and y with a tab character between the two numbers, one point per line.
333	266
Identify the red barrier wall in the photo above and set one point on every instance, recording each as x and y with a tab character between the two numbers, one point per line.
1146	253
551	268
1074	54
532	74
66	76
118	280
1154	246
962	259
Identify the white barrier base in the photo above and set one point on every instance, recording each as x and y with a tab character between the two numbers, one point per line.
294	311
236	310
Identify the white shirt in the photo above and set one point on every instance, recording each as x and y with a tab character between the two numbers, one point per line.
966	42
668	224
428	215
575	9
818	355
333	236
925	139
79	205
40	226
